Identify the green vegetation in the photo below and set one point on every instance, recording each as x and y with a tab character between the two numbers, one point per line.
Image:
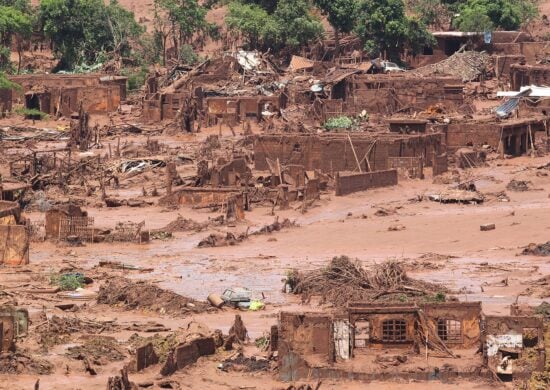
83	30
384	28
180	21
31	113
15	26
276	25
136	78
5	83
484	15
67	282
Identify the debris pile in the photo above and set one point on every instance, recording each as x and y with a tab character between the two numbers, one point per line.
142	295
21	363
537	249
98	350
58	330
345	280
519	185
181	224
468	65
539	288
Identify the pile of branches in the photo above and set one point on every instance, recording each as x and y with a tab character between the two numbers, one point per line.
345	280
467	65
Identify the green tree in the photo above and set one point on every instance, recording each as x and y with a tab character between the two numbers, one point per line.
15	26
340	15
483	15
433	13
274	24
85	30
254	23
123	27
384	28
297	26
185	19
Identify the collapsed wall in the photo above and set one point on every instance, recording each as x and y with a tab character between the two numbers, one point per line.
513	137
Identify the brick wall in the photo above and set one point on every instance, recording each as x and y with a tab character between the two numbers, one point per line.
348	184
441	165
412	167
334	153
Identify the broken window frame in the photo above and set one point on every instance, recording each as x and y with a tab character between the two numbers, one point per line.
450	330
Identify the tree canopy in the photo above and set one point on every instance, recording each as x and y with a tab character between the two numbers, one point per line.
274	24
483	15
384	27
83	30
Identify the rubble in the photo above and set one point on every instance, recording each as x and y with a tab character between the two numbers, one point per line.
468	65
144	296
537	249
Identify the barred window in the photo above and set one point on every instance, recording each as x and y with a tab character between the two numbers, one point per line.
394	331
449	330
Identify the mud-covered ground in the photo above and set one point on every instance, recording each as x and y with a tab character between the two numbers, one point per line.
437	242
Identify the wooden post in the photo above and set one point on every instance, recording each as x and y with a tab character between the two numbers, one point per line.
355	154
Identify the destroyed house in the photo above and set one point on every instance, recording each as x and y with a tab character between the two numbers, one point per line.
524	75
513	136
386	94
336	152
402	341
62	94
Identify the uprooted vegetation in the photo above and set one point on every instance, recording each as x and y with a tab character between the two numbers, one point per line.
145	296
345	280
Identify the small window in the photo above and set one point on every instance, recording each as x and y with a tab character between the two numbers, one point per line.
394	331
449	330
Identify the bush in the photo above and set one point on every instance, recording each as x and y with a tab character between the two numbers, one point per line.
67	282
32	113
136	79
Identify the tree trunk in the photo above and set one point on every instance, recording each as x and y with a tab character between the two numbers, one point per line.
337	43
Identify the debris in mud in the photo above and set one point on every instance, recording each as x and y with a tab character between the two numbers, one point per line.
240	363
217	240
122	266
487	226
537	249
396	228
181	224
121	382
22	363
457	196
98	350
276	226
345	280
58	330
383	212
141	295
539	288
519	185
162	344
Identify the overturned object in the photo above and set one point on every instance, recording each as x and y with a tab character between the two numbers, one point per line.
457	196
